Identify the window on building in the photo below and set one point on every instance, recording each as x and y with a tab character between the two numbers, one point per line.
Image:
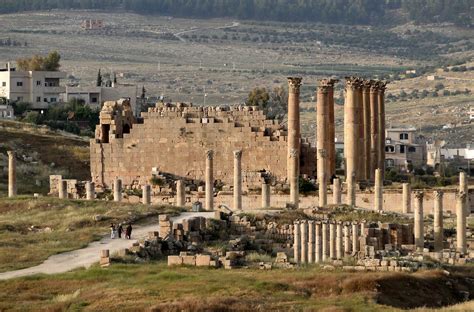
94	100
411	149
403	136
38	82
53	100
19	83
390	149
4	83
19	99
45	100
389	163
402	149
38	99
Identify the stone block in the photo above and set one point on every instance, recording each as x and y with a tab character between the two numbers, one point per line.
189	260
203	260
175	260
104	261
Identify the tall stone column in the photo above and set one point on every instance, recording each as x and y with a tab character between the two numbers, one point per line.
360	133
363	226
347	239
11	174
381	128
210	180
322	178
461	243
419	230
355	237
351	126
294	85
339	238
463	187
62	189
90	190
331	146
366	85
117	190
324	241
297	241
304	241
318	243
336	191
438	220
374	129
311	241
181	193
351	194
265	195
332	240
238	180
378	190
406	198
146	194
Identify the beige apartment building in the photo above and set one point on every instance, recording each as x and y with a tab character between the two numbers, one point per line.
403	147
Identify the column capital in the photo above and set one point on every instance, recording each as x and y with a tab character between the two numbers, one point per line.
325	85
294	84
367	85
238	154
210	154
419	194
11	153
352	83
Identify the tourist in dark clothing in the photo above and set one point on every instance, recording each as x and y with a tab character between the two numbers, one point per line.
120	230
128	232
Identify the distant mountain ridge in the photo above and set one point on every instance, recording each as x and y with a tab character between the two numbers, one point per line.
460	12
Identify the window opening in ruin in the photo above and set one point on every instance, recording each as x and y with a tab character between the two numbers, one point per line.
105	133
126	128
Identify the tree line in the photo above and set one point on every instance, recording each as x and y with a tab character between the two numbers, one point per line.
327	11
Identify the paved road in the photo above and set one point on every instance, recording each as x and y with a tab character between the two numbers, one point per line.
85	257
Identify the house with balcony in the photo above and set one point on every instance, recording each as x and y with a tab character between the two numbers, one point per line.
403	148
40	88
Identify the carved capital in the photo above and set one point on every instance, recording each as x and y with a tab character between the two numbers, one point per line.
367	85
238	154
419	195
210	154
352	83
11	153
438	194
294	84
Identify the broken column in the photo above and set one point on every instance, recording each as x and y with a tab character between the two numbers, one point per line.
378	190
304	241
12	191
90	190
336	191
322	181
406	198
265	195
381	127
438	220
293	164
351	127
332	240
374	126
318	243
117	190
351	194
324	241
311	241
418	214
461	222
209	180
146	194
238	180
296	241
180	193
355	237
62	189
366	85
347	239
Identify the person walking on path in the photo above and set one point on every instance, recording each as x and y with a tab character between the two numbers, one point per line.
128	231
120	230
112	231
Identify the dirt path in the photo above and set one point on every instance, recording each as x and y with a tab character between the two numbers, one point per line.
85	257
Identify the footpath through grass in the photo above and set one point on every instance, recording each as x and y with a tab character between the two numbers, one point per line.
31	230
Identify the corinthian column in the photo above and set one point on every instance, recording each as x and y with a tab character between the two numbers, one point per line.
419	231
238	180
360	132
438	220
331	145
322	134
210	180
381	128
11	174
351	126
294	85
374	128
366	127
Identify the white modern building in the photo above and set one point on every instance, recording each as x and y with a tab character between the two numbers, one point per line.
96	96
40	88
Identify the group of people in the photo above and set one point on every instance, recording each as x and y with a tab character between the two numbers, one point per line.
116	231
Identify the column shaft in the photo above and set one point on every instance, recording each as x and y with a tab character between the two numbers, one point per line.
360	134
463	187
304	241
374	126
331	147
332	241
351	194
311	241
146	194
238	180
294	138
180	193
336	191
438	221
265	195
117	190
90	190
209	180
461	243
347	239
355	237
406	198
12	190
297	242
419	230
318	243
366	126
324	241
381	128
322	142
378	190
62	189
351	127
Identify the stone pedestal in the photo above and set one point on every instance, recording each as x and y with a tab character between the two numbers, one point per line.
374	129
311	241
90	190
265	195
209	180
238	180
406	198
62	189
418	214
351	194
12	191
461	243
347	239
117	190
351	126
324	241
293	164
304	241
146	194
378	194
296	242
355	237
336	191
318	243
332	241
438	220
180	193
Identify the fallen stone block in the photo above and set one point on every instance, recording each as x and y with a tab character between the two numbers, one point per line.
175	260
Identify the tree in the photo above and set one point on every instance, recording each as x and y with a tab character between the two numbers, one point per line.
274	103
51	62
99	79
39	63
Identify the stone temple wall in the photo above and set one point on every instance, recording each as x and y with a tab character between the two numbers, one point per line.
174	139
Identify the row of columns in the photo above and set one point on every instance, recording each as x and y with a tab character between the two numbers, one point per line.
317	242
